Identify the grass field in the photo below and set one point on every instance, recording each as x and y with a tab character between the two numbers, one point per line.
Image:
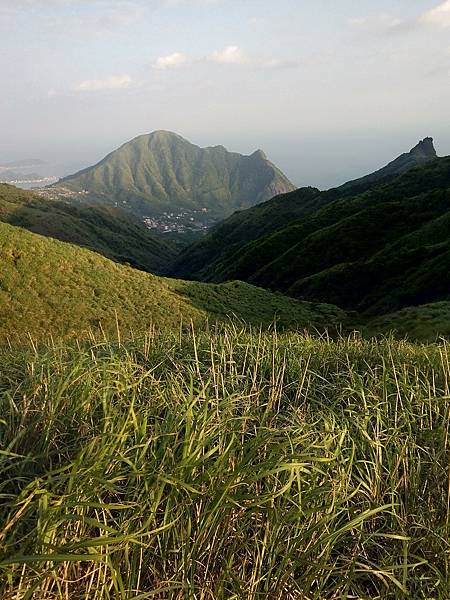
51	288
229	464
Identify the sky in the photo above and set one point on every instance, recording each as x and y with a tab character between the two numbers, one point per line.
329	89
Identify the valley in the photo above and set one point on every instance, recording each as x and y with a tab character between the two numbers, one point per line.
370	248
194	221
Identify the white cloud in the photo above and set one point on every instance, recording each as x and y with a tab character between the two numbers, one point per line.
382	21
115	82
231	55
171	61
438	16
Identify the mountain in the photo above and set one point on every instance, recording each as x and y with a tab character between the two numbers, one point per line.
23	164
7	175
423	153
375	251
162	172
48	287
108	231
207	258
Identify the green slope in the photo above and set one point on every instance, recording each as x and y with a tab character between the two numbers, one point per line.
425	323
209	258
109	231
51	287
163	172
226	241
379	251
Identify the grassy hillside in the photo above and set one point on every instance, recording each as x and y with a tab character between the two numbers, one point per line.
164	172
378	251
49	287
230	465
109	231
425	323
243	240
226	240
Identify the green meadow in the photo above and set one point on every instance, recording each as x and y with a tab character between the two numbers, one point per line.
225	463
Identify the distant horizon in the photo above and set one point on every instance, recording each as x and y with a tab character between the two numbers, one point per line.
61	169
328	90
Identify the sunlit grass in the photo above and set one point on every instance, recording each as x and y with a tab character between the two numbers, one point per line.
226	464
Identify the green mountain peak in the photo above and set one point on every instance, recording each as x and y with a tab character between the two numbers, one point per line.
162	172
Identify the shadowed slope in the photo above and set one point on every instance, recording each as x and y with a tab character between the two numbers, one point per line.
108	231
380	250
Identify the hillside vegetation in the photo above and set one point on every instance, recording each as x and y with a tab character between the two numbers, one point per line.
376	252
428	322
108	231
49	287
163	172
203	260
232	464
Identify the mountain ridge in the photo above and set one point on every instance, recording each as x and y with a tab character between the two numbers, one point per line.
421	154
161	171
202	259
338	246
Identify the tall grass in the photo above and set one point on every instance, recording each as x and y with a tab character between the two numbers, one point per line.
225	465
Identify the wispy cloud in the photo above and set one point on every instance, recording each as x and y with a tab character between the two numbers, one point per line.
231	55
171	61
438	16
382	21
115	82
121	14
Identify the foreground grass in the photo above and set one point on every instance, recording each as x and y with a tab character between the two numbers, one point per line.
230	464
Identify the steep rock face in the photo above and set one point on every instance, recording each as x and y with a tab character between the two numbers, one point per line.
163	172
423	153
424	150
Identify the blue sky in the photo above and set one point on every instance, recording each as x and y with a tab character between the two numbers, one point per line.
329	89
